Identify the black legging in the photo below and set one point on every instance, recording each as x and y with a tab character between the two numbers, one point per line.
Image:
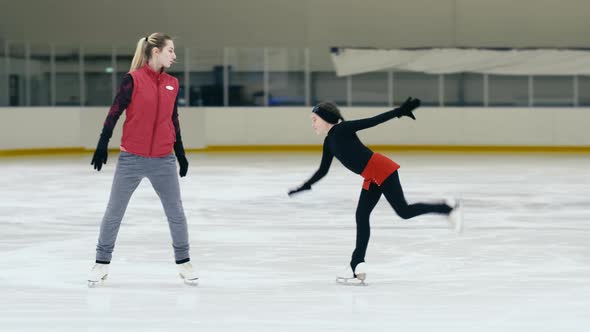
393	192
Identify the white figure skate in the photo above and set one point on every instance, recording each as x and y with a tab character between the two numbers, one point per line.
98	274
356	278
188	274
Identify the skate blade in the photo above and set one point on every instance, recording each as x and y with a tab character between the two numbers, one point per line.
456	225
92	283
351	282
457	221
193	282
459	227
190	282
460	220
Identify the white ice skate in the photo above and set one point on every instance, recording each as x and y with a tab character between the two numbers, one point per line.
98	274
188	274
455	218
347	277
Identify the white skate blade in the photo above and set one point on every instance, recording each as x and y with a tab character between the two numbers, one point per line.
94	283
458	220
459	224
190	282
351	281
455	219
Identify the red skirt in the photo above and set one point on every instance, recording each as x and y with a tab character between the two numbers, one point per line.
378	169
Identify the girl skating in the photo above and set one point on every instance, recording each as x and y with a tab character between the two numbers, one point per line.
380	175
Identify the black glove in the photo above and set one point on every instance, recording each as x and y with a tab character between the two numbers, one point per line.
183	163
407	107
102	148
179	151
304	187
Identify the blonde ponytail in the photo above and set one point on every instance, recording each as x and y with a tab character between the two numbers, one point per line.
139	56
144	48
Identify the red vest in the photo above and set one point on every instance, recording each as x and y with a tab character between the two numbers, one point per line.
148	130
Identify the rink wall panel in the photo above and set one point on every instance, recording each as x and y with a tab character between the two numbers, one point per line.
39	128
72	127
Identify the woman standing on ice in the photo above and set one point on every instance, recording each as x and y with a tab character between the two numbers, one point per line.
379	172
150	134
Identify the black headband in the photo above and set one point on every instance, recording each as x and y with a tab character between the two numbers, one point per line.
329	117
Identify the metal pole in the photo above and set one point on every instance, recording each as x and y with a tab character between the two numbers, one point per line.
82	81
266	78
53	76
187	78
486	90
307	69
390	94
349	90
531	91
225	78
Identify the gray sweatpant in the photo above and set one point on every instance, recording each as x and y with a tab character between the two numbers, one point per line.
161	172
